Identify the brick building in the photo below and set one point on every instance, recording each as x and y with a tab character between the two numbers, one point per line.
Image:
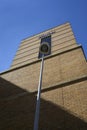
64	89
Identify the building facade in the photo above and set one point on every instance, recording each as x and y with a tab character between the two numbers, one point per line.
64	86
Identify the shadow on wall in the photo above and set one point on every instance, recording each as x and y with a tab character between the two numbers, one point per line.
17	109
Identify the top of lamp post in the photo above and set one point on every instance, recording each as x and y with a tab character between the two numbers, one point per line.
44	48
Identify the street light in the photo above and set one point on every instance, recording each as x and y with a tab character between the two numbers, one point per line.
44	49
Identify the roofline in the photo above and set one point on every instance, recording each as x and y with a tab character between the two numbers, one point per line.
45	31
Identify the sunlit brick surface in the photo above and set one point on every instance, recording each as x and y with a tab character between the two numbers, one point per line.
61	37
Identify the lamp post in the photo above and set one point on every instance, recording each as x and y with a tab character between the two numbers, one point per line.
44	49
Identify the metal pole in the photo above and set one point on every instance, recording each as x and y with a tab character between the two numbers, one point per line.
36	121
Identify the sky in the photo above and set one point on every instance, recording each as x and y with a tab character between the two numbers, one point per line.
20	19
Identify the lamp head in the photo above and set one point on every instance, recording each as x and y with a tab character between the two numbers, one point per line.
44	48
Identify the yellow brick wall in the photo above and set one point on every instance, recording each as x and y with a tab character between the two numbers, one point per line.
58	69
62	38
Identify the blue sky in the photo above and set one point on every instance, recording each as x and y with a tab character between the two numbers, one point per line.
22	18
